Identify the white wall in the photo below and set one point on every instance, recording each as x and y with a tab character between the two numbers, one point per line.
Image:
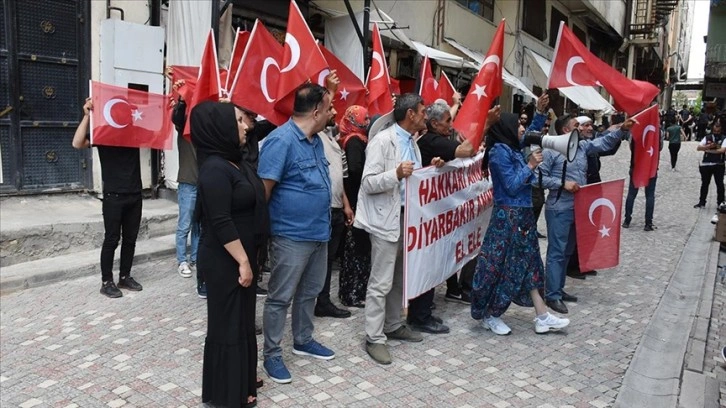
134	12
612	11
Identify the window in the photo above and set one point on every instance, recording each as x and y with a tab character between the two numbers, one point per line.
580	34
484	8
555	25
534	21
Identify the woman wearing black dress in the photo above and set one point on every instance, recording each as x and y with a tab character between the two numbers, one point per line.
234	225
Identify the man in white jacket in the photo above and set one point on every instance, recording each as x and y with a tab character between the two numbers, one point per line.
391	156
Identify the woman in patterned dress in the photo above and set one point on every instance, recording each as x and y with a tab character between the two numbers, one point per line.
509	268
356	262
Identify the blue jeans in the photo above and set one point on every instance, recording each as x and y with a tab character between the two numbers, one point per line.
187	198
560	245
297	272
649	201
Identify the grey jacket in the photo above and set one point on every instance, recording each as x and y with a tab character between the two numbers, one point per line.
379	198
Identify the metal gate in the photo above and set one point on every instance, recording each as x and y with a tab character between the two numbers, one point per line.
44	75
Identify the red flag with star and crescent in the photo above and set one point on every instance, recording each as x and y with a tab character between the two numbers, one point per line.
446	89
429	87
238	49
485	88
351	90
597	224
254	85
209	84
301	60
378	81
646	146
130	118
574	65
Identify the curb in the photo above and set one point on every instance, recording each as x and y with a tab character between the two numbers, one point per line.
42	272
653	376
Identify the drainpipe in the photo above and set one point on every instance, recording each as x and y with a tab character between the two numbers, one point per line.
156	177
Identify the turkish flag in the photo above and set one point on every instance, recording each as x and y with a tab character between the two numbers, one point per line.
574	65
597	223
253	87
351	90
238	49
446	89
429	87
646	146
189	74
378	81
130	118
301	60
209	85
485	88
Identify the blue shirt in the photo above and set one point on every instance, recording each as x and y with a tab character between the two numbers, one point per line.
408	153
511	177
300	201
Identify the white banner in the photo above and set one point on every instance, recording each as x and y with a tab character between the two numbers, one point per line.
447	212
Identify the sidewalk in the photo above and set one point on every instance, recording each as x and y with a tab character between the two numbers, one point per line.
66	345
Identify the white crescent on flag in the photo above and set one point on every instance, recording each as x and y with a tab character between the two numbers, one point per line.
263	77
570	66
291	42
107	112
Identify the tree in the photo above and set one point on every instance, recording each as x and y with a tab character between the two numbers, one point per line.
680	99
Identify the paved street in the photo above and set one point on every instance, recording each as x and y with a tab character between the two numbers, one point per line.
66	345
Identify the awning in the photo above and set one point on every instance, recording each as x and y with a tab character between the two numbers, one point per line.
508	78
586	97
443	58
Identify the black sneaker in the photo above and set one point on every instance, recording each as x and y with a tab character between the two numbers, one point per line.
261	292
462	298
109	289
129	283
649	227
202	290
626	224
699	205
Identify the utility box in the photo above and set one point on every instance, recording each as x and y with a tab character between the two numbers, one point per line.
132	56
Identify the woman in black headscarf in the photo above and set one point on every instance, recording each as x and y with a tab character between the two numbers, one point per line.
509	268
234	224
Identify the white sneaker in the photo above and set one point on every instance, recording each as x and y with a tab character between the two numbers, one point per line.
551	323
184	270
496	325
714	219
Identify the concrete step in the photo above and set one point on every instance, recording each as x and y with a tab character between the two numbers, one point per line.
77	264
35	228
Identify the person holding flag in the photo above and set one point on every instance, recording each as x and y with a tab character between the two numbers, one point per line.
564	179
121	175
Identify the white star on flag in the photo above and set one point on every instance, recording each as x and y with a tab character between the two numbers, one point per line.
136	114
604	232
344	94
479	91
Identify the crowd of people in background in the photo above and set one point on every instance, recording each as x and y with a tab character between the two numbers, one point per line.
299	198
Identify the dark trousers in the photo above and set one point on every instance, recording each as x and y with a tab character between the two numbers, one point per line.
337	230
649	200
419	309
673	148
687	131
121	220
707	172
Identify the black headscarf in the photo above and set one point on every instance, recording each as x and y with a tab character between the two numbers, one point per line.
505	131
214	131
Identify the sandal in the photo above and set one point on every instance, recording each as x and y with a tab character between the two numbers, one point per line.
259	383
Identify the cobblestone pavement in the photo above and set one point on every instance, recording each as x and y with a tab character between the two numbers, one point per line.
66	345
